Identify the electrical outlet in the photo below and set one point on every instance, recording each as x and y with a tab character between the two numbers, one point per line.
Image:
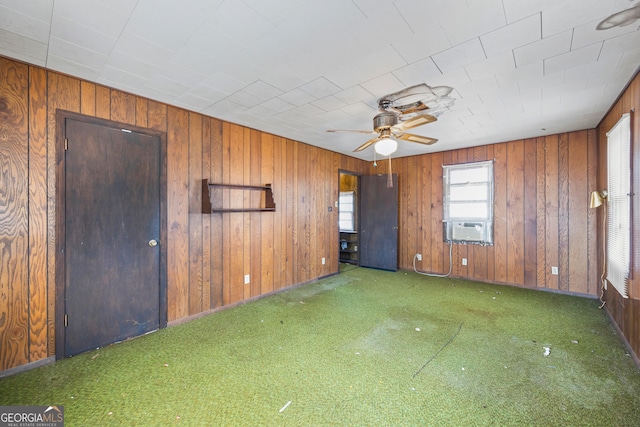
247	279
554	270
323	261
464	261
419	257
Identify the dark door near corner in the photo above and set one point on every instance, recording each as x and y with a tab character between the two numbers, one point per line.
379	222
111	235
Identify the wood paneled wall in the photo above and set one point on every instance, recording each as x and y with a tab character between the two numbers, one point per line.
541	214
624	311
208	255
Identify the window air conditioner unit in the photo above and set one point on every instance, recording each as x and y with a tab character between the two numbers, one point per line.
468	231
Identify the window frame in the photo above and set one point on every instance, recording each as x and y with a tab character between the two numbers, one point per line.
470	229
619	220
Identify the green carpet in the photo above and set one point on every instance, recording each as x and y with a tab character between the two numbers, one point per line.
363	348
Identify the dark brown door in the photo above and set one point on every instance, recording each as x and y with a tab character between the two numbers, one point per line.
379	222
111	235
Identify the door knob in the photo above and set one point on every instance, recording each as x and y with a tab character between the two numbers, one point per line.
153	242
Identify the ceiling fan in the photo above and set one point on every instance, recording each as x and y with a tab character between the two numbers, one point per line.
404	110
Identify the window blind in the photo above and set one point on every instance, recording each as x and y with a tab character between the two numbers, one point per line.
619	204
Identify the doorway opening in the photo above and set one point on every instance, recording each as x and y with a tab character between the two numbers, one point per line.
348	217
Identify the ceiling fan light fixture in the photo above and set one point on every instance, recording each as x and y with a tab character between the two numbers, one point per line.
386	146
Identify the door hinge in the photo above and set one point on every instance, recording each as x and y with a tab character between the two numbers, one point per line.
66	320
66	144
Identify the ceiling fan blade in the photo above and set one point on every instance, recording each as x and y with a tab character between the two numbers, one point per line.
368	143
419	120
368	132
415	138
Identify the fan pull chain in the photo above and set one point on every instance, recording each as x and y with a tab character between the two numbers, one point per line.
390	179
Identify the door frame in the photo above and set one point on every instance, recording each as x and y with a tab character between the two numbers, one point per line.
60	232
359	176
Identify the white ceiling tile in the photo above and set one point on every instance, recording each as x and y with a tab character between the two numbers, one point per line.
193	102
277	105
367	67
124	7
114	75
565	15
281	77
24	25
459	56
64	65
574	58
262	90
514	35
359	109
319	88
214	43
209	93
168	35
297	97
515	10
367	30
194	60
240	71
452	78
22	48
153	93
424	42
629	62
538	82
176	71
144	50
36	9
77	54
222	108
328	103
533	71
464	20
616	46
383	85
190	14
275	12
496	65
542	49
132	65
587	34
93	15
244	98
418	72
476	87
375	7
354	95
76	33
240	22
420	17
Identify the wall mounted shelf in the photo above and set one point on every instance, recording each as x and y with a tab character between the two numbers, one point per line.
210	200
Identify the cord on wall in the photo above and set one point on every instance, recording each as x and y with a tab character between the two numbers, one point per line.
434	274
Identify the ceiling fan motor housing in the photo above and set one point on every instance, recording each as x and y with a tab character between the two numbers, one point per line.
384	120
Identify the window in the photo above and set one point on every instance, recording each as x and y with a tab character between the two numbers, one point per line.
346	211
468	203
618	204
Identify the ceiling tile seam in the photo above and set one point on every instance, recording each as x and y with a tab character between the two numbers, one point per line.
405	21
124	28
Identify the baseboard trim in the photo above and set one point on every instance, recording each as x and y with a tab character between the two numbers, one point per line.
239	303
623	338
27	367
